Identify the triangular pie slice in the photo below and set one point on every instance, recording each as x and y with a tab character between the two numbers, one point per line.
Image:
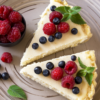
67	40
86	91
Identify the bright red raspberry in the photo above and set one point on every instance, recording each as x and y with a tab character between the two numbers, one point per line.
6	57
63	27
15	17
4	28
20	25
49	28
3	39
57	73
68	82
7	21
14	35
70	67
4	12
10	9
55	14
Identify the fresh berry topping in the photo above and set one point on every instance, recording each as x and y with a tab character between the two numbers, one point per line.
56	21
51	38
46	72
20	26
7	21
58	35
61	64
50	65
68	82
70	68
75	90
4	28
14	35
55	14
6	57
0	76
52	8
10	9
74	31
4	12
49	28
63	27
78	80
5	76
57	73
38	70
15	17
35	45
42	40
3	39
73	57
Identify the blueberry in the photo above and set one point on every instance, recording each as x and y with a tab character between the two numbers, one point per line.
52	8
5	76
46	72
56	21
50	65
75	90
73	57
38	70
61	64
51	38
58	35
43	40
35	45
78	80
0	76
74	31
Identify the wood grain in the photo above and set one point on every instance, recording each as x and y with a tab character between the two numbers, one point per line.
31	9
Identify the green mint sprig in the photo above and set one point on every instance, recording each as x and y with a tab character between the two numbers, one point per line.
16	91
71	13
87	72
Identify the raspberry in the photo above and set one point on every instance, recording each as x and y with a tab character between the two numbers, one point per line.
20	25
49	28
4	12
10	9
57	73
3	39
6	57
14	34
7	21
68	82
4	28
70	67
55	14
15	17
63	27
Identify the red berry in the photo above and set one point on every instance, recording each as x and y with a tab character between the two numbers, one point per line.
7	21
4	12
55	14
68	82
10	9
6	57
20	26
14	34
3	39
15	17
63	27
4	28
49	28
57	73
70	67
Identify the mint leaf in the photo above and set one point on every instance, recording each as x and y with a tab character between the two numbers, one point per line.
77	19
67	9
61	9
90	69
81	72
89	77
81	63
16	91
66	17
75	10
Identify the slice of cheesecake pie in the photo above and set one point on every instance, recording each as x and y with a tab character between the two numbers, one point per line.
72	76
60	27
